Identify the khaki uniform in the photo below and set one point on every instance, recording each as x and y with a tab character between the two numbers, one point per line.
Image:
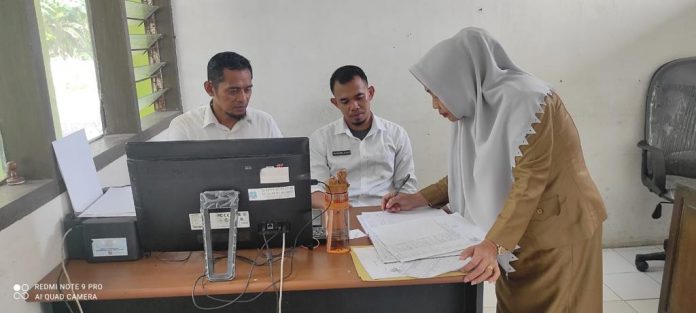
554	212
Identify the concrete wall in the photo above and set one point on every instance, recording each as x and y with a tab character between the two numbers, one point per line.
31	247
598	54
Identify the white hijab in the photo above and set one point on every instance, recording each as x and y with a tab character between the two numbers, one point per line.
496	103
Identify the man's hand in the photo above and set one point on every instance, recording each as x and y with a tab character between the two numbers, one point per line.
483	265
393	202
318	201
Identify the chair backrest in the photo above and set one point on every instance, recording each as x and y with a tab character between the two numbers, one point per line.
670	116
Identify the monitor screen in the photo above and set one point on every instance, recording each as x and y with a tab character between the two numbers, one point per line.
272	177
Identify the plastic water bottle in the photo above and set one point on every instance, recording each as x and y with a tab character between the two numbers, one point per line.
337	215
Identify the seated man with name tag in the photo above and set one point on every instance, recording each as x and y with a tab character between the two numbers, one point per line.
375	152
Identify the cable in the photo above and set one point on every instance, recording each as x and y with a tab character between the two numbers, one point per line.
282	262
294	245
236	299
188	256
269	259
318	243
62	262
250	261
254	263
227	302
60	291
314	218
270	263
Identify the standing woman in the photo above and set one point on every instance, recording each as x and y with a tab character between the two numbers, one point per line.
517	171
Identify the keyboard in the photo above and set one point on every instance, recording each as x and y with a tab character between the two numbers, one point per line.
319	232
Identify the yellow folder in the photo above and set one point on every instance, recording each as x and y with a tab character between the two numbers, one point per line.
364	276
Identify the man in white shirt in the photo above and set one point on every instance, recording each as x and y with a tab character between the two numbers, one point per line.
227	116
375	152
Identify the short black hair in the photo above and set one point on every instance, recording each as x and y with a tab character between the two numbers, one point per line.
345	74
226	60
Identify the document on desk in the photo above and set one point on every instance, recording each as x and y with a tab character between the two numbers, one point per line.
355	234
425	268
431	267
78	170
116	202
387	257
374	266
428	237
458	224
381	250
421	244
370	220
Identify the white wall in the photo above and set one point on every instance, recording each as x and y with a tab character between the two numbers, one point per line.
599	54
31	247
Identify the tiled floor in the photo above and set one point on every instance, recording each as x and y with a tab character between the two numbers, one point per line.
626	290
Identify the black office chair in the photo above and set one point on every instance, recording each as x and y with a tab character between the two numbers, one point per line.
669	147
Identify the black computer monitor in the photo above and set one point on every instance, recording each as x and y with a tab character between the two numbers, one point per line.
167	178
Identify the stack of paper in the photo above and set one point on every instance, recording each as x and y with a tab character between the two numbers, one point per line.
420	243
372	220
425	268
116	202
81	180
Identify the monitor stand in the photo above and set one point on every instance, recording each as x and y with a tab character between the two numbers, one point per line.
219	200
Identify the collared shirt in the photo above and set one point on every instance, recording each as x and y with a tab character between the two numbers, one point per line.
201	124
376	165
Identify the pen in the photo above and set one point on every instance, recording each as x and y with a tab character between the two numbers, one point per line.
403	182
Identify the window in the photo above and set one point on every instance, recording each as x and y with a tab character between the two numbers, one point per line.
72	77
117	97
147	66
3	161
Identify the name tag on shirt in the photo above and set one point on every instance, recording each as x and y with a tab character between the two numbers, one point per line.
339	153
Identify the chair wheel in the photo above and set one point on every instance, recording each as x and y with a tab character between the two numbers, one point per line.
641	265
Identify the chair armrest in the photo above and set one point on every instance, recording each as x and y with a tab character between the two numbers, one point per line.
644	145
654	173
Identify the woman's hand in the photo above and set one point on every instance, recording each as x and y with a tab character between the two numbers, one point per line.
393	202
483	265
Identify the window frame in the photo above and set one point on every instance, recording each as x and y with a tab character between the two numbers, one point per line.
30	131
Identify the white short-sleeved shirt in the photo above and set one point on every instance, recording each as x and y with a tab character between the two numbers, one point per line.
201	124
376	165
